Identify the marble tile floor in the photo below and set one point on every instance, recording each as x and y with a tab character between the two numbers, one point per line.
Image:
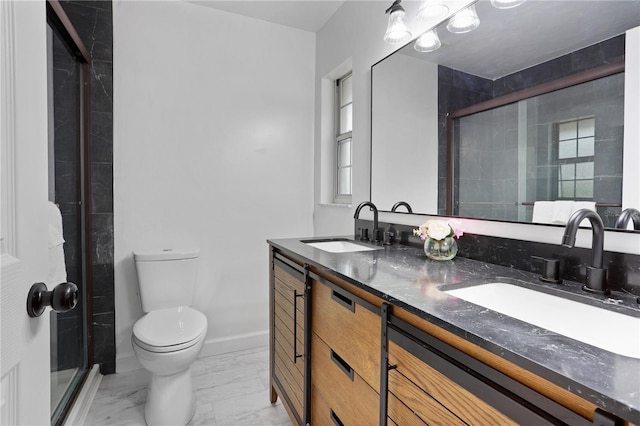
231	390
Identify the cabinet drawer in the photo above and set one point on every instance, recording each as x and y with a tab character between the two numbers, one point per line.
399	413
435	388
352	400
349	328
409	404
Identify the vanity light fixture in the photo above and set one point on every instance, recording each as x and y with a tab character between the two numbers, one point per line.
433	9
506	4
464	21
428	41
397	30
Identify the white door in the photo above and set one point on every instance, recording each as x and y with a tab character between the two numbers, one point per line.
24	341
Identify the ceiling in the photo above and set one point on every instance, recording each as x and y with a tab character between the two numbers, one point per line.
308	15
515	39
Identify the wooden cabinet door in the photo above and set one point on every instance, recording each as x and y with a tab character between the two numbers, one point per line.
287	339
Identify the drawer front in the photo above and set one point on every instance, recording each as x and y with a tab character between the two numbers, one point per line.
431	388
350	329
409	404
341	391
400	414
288	324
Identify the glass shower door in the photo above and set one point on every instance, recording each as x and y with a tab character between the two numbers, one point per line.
69	360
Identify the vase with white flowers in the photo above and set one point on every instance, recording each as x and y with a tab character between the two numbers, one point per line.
440	238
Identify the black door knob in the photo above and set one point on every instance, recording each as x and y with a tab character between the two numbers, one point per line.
62	298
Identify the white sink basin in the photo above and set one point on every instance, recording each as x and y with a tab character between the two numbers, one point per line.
608	330
339	246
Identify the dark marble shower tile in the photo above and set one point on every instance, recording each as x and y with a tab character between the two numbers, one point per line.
67	184
104	342
101	86
92	4
607	189
102	137
103	294
102	238
472	83
609	157
608	51
93	25
102	188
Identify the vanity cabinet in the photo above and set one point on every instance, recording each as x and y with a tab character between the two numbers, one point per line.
341	355
288	353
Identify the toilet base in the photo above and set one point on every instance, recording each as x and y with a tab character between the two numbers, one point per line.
170	399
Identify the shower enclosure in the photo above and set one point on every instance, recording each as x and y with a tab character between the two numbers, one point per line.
68	76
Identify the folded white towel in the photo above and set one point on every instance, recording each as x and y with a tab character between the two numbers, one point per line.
577	205
57	268
542	212
562	211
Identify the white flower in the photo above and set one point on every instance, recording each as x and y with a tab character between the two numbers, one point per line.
438	229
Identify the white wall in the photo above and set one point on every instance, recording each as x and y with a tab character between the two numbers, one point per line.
414	132
630	187
213	130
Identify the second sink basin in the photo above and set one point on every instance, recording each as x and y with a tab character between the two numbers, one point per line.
339	245
602	328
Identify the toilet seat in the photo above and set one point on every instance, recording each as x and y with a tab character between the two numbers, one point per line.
169	330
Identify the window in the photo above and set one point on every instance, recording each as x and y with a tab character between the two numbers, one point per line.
344	126
576	149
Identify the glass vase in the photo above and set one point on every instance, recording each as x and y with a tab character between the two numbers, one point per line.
445	249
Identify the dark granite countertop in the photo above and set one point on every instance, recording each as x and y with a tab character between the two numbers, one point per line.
403	276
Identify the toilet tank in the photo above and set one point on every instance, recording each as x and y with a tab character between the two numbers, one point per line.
166	278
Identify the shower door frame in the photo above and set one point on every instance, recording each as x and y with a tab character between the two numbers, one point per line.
61	24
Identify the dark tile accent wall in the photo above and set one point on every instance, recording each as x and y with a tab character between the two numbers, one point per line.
457	90
623	270
606	52
93	21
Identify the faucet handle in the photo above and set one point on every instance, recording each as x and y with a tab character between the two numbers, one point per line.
550	270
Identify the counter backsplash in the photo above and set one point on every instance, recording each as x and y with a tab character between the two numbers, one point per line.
623	269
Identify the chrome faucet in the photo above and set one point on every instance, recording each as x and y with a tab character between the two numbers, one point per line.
625	216
401	203
373	207
596	274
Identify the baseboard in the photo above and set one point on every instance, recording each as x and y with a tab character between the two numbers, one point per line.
235	343
78	413
129	362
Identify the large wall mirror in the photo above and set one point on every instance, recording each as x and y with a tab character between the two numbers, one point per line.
523	114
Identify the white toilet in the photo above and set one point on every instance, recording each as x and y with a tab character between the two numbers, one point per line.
170	336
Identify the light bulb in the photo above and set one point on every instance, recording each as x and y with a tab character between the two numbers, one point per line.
428	42
433	9
464	21
506	4
397	30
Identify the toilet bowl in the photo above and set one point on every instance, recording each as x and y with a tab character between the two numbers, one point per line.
170	336
166	343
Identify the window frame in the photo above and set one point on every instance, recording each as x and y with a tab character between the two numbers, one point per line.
574	160
340	138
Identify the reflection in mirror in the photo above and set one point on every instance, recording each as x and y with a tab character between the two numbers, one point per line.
563	146
536	43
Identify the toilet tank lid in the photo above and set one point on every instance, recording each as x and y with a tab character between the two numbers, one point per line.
165	254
